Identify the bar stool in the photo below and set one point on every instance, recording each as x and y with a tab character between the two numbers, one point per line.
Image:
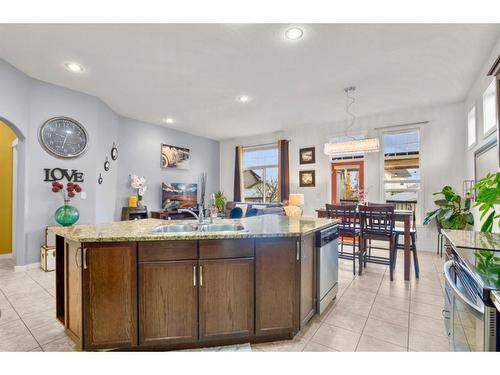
348	227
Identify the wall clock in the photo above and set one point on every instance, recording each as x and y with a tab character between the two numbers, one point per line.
106	164
114	152
63	137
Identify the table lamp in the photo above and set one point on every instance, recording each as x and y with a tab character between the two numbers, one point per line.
295	203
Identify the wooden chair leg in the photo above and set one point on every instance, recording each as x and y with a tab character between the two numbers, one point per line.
392	247
354	255
396	241
362	244
415	257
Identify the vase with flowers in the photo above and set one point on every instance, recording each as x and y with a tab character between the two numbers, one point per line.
67	214
139	184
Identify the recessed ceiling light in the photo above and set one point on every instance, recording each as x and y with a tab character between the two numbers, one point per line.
243	98
294	33
168	120
74	67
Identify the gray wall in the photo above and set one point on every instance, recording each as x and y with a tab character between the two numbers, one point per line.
25	103
140	145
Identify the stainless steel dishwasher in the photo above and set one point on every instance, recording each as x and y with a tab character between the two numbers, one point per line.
327	266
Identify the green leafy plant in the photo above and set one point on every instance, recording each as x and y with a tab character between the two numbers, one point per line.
451	213
487	196
488	265
220	201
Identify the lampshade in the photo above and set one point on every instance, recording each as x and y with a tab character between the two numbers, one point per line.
357	146
296	199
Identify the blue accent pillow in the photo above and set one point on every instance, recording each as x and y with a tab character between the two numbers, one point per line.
252	212
236	213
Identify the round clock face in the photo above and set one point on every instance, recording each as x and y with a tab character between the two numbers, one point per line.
63	137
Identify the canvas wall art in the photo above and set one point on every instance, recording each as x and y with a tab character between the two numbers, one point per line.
177	195
174	157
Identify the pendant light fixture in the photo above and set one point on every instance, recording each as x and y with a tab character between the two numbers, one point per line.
352	146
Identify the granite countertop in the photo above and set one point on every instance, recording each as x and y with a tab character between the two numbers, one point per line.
140	230
480	252
468	239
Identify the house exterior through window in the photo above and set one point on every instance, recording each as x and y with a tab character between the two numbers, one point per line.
260	174
402	168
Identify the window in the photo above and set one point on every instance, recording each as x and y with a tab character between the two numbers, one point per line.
260	174
402	168
490	108
471	127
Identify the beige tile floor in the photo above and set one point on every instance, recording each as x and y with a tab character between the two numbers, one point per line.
370	313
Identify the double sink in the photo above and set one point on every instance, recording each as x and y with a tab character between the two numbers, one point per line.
183	228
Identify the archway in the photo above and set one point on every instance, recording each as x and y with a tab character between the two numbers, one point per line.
18	193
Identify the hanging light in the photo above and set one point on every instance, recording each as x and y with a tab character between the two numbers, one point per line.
353	146
358	146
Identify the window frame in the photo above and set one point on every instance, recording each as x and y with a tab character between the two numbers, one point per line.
263	167
474	143
493	87
421	191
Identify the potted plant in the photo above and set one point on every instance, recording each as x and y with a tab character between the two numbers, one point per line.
220	201
66	215
487	197
453	212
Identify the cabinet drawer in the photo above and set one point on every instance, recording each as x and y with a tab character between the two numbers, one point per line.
167	250
211	249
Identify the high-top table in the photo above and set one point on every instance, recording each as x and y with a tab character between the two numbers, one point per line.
404	216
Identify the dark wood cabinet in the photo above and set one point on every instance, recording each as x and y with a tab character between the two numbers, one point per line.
109	295
307	280
277	286
226	288
168	302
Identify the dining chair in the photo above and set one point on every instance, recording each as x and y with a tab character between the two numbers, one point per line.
348	227
377	223
400	231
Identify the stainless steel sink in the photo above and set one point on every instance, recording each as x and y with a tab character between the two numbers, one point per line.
222	227
175	228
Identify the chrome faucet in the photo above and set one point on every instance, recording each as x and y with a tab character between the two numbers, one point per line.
200	217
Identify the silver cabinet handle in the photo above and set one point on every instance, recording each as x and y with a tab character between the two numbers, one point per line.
194	275
201	275
85	258
298	250
446	314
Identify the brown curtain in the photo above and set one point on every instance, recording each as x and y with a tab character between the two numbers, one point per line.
283	170
238	174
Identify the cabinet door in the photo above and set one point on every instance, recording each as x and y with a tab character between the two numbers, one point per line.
226	298
73	290
277	286
110	295
168	302
307	281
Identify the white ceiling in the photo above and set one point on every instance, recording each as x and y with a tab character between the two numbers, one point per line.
194	72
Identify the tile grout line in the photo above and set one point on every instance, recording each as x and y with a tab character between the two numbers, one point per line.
371	308
21	319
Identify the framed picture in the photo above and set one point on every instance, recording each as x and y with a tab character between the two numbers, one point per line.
307	155
174	157
307	178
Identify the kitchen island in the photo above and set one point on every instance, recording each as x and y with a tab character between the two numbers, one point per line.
162	285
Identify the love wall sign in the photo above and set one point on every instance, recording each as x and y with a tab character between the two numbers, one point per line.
57	174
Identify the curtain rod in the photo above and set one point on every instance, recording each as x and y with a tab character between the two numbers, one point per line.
262	145
398	125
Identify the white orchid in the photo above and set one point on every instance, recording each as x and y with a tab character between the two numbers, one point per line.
138	183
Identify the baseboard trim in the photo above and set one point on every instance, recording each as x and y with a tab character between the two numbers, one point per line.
26	267
6	256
